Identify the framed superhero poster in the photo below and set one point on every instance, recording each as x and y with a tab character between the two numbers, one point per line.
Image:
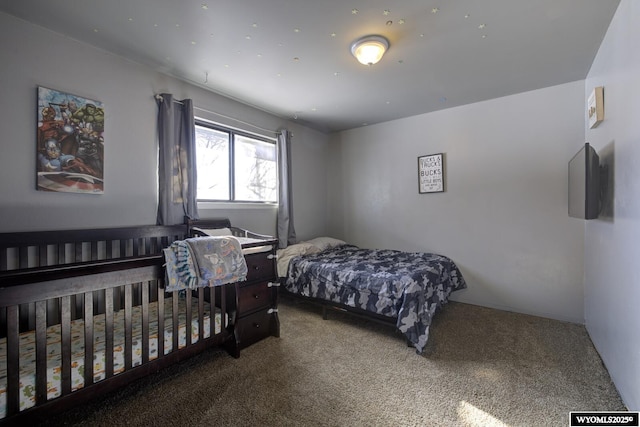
70	143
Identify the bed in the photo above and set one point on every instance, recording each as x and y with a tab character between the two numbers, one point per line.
404	289
84	312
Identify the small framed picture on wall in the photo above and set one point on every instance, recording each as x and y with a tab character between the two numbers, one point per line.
431	173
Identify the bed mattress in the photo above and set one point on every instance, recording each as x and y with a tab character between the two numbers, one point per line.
54	361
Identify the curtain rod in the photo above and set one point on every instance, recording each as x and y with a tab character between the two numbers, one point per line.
158	96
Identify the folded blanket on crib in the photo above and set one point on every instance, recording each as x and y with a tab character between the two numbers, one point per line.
204	261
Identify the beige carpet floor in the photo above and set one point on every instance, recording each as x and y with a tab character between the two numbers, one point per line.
483	367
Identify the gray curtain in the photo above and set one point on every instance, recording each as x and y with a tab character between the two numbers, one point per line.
285	228
177	178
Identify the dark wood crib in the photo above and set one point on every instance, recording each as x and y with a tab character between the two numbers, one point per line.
84	312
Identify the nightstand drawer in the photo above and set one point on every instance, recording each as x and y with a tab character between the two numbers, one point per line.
251	297
255	327
259	266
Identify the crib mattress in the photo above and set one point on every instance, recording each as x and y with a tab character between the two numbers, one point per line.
54	361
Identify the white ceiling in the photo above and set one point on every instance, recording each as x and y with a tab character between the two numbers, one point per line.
292	57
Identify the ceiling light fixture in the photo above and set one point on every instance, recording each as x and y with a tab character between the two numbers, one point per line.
369	50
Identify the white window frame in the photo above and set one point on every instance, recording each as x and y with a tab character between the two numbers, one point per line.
232	202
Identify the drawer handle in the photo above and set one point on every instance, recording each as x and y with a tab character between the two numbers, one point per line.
273	284
272	256
256	296
256	325
272	310
256	267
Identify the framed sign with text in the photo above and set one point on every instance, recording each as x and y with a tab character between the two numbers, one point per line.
431	173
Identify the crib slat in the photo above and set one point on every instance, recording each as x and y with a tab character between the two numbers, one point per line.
108	330
201	314
188	319
53	311
88	338
154	245
61	250
41	352
127	328
13	360
160	293
65	331
23	254
3	259
26	319
135	246
42	255
145	322
223	306
145	246
94	251
3	321
108	249
78	252
212	309
174	315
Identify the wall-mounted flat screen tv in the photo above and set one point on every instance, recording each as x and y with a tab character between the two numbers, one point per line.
584	184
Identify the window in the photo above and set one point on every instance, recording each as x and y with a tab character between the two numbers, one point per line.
234	167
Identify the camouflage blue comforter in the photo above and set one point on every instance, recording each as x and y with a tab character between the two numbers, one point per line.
409	286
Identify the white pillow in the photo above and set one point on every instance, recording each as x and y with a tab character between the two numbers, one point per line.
291	251
324	243
301	248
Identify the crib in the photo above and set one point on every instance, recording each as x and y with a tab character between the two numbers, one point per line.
84	312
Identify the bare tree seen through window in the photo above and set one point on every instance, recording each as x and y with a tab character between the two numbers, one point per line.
251	170
212	159
256	176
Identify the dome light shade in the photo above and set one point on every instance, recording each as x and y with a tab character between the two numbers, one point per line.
369	50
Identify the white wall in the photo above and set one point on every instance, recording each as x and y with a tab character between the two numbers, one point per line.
503	217
612	242
32	56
